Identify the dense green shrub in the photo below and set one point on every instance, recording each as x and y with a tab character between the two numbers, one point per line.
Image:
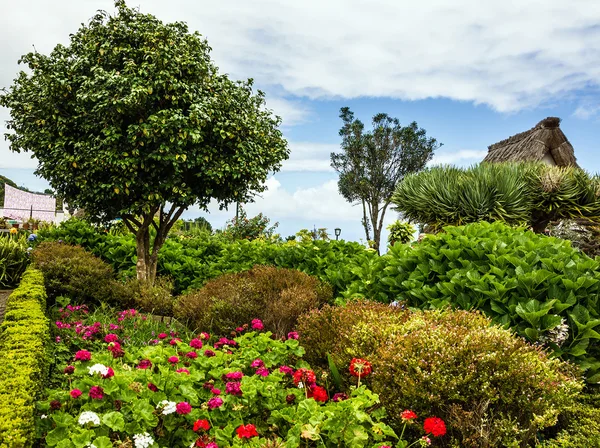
24	338
539	286
400	232
276	296
157	299
492	388
580	428
73	272
515	193
13	259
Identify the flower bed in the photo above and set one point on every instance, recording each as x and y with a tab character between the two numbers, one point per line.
120	385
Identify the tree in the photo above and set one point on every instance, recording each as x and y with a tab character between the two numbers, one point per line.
132	119
373	162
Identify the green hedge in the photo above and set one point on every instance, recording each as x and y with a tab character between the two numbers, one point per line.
24	338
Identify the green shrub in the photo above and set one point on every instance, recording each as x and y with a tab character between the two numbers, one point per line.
155	299
400	232
13	259
492	388
276	296
537	285
581	428
24	338
71	271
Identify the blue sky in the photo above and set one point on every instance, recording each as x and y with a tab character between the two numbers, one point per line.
470	72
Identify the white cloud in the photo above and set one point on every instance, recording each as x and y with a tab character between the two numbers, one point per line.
291	112
586	111
308	156
457	157
509	55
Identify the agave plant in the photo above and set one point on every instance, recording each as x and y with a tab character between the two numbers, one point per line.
13	259
530	194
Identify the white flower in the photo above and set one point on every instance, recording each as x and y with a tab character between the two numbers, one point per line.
300	385
98	368
168	407
89	417
143	440
43	416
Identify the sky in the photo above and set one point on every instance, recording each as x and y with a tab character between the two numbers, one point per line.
470	72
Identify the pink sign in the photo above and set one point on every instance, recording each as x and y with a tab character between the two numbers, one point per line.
18	204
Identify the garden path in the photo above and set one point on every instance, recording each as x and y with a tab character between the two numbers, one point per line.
3	296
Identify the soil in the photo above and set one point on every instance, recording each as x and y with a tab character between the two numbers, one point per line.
3	296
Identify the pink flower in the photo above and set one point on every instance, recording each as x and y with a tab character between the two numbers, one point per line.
204	336
209	353
58	339
234	376
286	370
216	391
115	349
83	355
75	393
162	335
183	408
233	389
174	341
96	392
196	343
110	373
211	445
293	335
182	370
69	370
113	327
257	324
262	371
173	359
215	402
144	364
257	363
191	355
111	337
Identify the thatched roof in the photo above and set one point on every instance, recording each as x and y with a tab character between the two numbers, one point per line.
532	145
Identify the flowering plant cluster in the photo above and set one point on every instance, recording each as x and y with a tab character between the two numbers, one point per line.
202	391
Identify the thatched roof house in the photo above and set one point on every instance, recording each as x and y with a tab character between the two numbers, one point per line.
545	142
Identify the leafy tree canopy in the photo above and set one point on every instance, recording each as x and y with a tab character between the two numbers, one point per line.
133	119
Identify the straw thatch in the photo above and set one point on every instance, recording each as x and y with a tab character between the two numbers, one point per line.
545	138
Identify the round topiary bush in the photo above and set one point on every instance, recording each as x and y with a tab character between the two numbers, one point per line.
491	387
277	296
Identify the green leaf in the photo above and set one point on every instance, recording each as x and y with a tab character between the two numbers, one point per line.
335	374
103	442
114	420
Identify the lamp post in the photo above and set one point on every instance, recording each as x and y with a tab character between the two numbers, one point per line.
338	232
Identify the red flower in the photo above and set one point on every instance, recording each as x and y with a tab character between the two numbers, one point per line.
196	343
183	408
408	415
152	387
360	367
69	369
75	393
144	364
109	374
246	431
318	393
173	359
83	355
96	392
201	424
305	376
435	426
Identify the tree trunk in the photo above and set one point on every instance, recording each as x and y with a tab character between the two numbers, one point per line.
365	222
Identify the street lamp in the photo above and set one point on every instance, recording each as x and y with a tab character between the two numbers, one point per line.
337	231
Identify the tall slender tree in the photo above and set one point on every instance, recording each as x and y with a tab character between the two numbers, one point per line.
132	119
371	163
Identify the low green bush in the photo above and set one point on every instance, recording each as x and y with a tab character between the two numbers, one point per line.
491	387
73	272
580	428
13	259
156	299
276	296
539	286
24	339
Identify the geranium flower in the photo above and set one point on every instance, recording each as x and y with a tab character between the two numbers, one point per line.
196	343
109	374
111	337
182	370
434	426
75	393
426	440
83	355
69	370
163	335
115	349
233	388
262	371
286	370
215	402
98	368
143	440
55	404
304	376
174	341
96	393
191	355
246	431
215	391
144	364
113	327
152	387
209	353
318	393
257	363
292	335
234	376
408	415
340	396
360	367
173	359
183	408
168	407
89	417
201	424
257	324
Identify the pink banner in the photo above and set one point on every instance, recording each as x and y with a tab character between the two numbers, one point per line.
18	204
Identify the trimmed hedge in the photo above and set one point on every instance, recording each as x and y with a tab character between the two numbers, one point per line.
24	337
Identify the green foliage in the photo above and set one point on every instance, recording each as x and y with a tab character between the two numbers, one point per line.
277	296
242	228
492	388
515	193
131	115
580	427
373	162
281	412
154	298
13	259
72	271
24	338
538	286
400	232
